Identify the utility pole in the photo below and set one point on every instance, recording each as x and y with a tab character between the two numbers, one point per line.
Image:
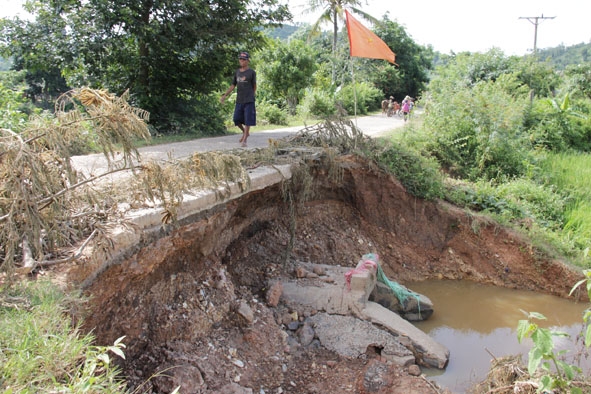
536	20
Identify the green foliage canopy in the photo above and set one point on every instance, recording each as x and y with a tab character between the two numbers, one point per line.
578	79
286	69
414	62
332	12
475	117
171	54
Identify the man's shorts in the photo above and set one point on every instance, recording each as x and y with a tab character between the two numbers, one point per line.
245	114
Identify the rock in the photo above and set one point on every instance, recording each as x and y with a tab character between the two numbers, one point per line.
343	298
306	334
428	352
413	307
273	295
414	370
245	312
186	376
318	270
233	388
284	318
301	272
375	377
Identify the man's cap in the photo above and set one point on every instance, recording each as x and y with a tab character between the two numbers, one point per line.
244	55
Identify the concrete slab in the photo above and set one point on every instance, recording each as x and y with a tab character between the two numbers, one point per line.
351	337
330	293
427	351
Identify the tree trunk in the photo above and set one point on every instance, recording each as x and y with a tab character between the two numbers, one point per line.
143	51
335	31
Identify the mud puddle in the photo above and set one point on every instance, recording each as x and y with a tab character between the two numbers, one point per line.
477	321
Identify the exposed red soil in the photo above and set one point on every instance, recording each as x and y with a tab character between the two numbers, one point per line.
176	299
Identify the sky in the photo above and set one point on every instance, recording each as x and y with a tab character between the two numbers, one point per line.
479	25
464	25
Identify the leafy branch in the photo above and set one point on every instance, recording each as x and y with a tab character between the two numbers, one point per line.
543	356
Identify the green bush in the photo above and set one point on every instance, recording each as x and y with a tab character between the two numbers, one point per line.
559	126
368	98
271	113
14	108
419	175
570	173
519	199
547	365
318	103
199	115
476	132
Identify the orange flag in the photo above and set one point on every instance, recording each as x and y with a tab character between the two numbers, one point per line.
364	43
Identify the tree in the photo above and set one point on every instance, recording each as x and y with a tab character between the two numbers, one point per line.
288	68
414	62
32	47
14	108
578	79
171	54
540	77
475	115
332	11
464	70
5	64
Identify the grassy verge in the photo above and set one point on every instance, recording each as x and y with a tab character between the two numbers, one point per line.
570	173
40	350
551	204
552	207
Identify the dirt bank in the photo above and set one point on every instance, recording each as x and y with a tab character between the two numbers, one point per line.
194	302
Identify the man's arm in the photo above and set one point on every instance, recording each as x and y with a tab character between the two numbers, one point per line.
230	90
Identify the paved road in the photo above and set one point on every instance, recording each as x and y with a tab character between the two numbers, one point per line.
371	125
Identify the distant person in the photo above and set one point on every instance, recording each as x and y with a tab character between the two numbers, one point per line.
406	107
245	79
390	105
396	108
385	104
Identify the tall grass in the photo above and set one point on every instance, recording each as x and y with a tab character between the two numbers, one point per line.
571	173
41	351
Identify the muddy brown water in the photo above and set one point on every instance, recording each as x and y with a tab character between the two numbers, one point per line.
473	319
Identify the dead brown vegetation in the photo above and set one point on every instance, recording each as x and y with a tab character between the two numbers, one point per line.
45	205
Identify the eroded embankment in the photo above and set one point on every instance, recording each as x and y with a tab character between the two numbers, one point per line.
193	300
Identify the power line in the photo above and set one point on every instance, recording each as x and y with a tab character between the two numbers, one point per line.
536	20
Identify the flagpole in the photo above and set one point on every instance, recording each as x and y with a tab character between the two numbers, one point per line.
354	88
364	43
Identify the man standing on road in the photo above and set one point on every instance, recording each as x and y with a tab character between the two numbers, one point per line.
245	79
